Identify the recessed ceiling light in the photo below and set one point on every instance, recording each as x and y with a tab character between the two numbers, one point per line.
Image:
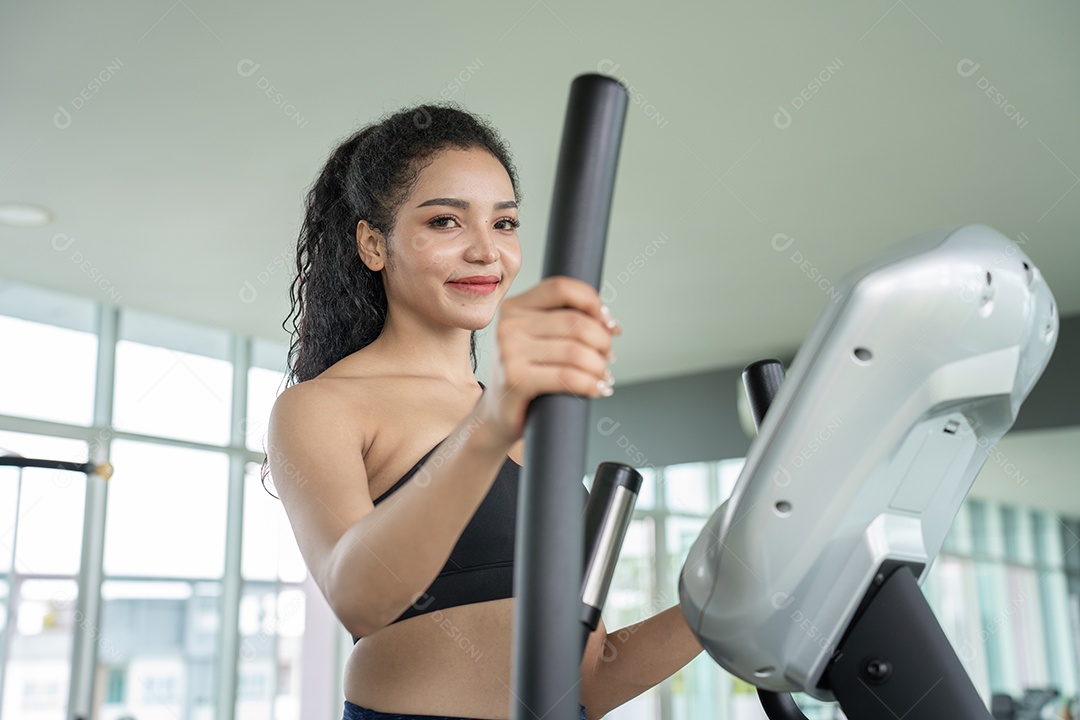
24	215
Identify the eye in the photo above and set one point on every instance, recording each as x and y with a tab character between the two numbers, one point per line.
513	224
440	221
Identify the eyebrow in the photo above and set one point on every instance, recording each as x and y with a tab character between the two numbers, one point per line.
464	204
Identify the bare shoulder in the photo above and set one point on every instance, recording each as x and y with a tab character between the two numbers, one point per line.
317	439
346	399
381	419
334	415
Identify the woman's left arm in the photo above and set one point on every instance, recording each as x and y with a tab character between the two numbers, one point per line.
634	659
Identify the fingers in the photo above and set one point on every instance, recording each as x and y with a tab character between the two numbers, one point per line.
572	345
557	338
567	292
562	353
562	324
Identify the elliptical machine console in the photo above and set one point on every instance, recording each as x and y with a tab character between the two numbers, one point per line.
805	579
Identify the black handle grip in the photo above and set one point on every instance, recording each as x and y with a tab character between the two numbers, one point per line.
608	512
550	538
762	380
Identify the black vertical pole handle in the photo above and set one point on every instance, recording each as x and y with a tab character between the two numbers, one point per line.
761	381
550	537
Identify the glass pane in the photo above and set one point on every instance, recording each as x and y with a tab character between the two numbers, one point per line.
50	509
633	594
632	598
47	372
1023	614
686	488
693	688
9	493
166	511
681	534
49	538
1010	525
958	540
727	472
647	497
1046	537
37	671
269	546
271	627
993	598
263	388
952	592
160	391
269	355
1070	540
645	706
3	627
159	649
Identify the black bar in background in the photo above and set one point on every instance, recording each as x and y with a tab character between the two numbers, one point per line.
16	461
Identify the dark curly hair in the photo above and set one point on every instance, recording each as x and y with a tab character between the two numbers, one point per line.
338	304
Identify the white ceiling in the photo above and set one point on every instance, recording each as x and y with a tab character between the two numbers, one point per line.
177	179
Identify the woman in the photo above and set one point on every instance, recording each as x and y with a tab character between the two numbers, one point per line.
408	247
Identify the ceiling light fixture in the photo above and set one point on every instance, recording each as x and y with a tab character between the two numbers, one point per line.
24	215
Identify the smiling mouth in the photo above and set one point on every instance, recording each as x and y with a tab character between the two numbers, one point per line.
475	286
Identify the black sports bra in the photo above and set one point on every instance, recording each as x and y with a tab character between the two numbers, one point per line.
481	565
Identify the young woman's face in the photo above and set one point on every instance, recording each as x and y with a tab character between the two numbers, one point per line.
455	247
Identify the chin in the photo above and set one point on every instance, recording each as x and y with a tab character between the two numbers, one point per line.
480	325
476	321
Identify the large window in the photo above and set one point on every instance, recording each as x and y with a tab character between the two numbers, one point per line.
166	514
49	356
173	379
41	517
272	610
1006	589
671	510
187	536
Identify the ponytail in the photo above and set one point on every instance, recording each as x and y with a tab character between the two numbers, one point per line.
338	303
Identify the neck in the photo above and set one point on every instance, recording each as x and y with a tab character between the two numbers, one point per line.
426	349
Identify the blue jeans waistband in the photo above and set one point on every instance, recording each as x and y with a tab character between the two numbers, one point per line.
356	712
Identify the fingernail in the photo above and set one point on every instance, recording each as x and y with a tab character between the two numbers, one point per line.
611	355
608	320
605	388
609	377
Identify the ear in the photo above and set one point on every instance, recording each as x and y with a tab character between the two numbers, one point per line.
371	246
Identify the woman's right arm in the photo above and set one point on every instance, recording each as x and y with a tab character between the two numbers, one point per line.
371	562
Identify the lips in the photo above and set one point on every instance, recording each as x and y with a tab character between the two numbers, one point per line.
476	284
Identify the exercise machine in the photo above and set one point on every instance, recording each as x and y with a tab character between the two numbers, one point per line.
806	578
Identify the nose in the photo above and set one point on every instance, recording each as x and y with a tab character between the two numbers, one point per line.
482	246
